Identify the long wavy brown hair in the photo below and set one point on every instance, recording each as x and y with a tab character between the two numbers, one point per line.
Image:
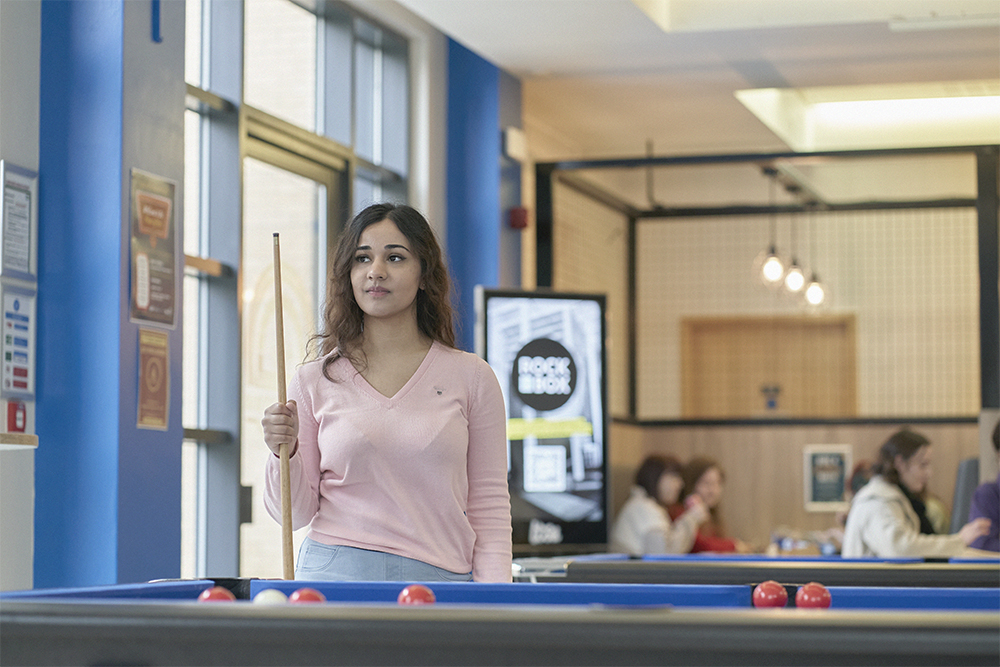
693	471
343	319
903	443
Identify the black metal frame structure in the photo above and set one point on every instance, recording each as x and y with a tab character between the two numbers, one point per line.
986	203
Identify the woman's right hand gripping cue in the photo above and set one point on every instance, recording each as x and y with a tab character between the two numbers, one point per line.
281	427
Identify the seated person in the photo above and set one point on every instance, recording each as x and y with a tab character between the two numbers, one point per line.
859	477
888	519
937	512
703	479
986	504
643	525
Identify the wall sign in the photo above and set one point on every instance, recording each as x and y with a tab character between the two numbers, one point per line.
547	350
19	228
154	250
154	379
825	477
17	379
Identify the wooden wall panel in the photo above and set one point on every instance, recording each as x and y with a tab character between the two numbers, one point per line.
727	362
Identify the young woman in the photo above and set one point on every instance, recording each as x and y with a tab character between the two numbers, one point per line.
397	440
887	516
703	478
643	525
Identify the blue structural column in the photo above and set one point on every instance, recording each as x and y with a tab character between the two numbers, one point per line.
111	100
473	179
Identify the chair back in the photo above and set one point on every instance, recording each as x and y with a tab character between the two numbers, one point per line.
966	482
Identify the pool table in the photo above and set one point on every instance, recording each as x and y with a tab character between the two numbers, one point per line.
731	569
161	623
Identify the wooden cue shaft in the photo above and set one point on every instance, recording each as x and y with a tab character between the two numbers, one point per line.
286	481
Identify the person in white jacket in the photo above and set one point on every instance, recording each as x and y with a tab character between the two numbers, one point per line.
643	525
888	519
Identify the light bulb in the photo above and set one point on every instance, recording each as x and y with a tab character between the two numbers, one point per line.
773	270
795	280
768	268
815	294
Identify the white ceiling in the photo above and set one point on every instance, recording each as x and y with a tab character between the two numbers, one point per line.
600	78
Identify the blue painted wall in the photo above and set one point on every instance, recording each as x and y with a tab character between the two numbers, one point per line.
107	493
149	461
473	170
79	249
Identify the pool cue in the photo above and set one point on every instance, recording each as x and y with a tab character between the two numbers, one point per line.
286	481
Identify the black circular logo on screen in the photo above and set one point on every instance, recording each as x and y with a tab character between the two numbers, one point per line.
544	374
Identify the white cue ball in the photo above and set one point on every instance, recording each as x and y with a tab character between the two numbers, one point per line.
270	596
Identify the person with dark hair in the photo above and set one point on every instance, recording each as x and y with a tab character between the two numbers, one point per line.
860	475
397	440
704	479
643	525
888	519
986	504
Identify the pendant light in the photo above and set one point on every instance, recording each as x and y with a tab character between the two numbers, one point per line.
815	293
795	278
768	266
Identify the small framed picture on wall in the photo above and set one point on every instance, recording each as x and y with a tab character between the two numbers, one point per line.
825	477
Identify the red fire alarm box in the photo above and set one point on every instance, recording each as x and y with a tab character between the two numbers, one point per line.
16	417
518	217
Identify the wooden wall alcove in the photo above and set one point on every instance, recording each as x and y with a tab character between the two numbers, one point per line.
727	362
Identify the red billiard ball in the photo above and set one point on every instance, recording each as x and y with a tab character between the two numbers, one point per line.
770	594
813	595
306	595
216	594
416	594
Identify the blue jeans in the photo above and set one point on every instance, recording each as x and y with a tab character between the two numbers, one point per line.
322	562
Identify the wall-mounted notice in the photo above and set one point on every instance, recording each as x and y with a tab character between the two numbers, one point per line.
154	250
154	379
825	477
18	377
19	228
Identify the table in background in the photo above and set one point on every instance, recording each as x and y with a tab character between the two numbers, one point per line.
579	624
739	569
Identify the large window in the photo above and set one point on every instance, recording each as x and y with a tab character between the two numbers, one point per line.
280	61
297	116
336	74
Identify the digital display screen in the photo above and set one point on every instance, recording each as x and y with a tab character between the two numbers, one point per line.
547	350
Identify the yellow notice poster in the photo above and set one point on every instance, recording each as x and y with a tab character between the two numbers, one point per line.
154	379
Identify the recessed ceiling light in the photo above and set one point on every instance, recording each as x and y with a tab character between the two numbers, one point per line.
866	117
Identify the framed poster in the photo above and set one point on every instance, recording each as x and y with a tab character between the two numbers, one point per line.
548	352
154	379
154	250
18	222
826	473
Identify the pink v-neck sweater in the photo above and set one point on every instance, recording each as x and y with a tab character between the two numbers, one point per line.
422	474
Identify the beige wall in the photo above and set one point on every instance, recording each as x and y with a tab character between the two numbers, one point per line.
908	277
591	243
